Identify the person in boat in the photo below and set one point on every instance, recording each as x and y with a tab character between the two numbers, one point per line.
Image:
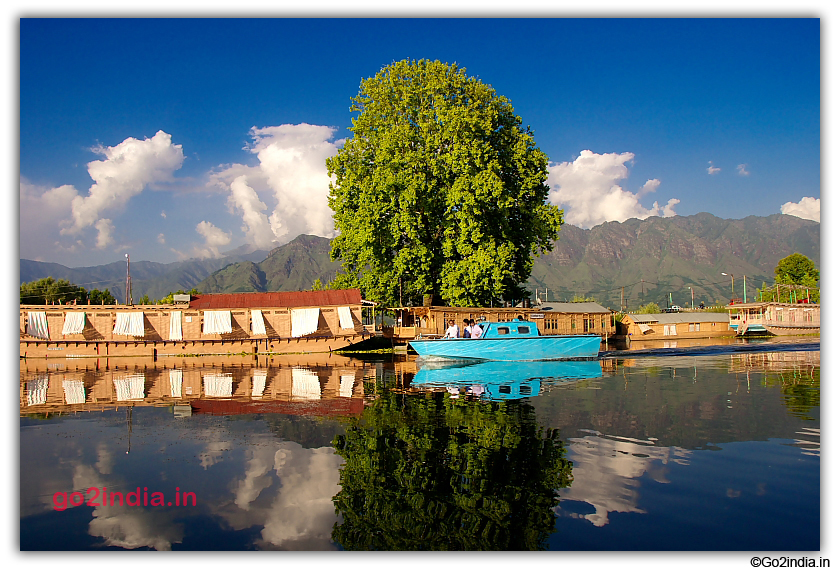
453	330
467	330
475	329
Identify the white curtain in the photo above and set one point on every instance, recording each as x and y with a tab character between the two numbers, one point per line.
176	380
217	322
258	384
345	318
175	332
218	385
257	322
74	323
74	391
130	324
346	389
36	325
130	387
304	321
36	391
305	384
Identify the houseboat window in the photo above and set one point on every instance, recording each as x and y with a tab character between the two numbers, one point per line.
585	324
504	389
524	330
525	390
503	330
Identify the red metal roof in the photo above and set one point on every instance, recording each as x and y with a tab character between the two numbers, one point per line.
330	297
325	407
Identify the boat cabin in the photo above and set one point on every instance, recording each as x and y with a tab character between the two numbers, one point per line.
514	328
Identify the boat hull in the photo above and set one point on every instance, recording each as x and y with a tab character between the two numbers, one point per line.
559	347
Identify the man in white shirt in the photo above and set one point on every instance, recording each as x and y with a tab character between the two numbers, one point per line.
453	330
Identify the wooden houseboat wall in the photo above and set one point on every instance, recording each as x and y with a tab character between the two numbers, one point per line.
674	326
558	318
98	337
783	319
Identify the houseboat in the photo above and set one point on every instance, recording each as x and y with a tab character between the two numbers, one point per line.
550	319
275	323
770	317
674	326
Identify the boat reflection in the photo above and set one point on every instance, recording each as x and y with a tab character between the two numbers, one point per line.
500	380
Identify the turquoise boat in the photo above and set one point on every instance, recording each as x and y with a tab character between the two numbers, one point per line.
513	340
498	380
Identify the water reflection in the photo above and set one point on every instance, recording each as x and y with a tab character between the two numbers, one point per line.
703	452
500	380
435	473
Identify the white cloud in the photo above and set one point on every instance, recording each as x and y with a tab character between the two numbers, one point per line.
126	170
742	170
292	172
808	208
587	189
712	168
41	211
161	239
104	237
214	238
256	226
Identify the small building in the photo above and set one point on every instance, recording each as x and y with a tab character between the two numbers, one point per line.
781	319
554	318
671	326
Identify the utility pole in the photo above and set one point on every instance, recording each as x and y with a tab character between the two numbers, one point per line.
621	305
128	299
745	288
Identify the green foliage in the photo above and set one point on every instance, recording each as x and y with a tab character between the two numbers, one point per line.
797	269
97	297
617	318
48	290
582	299
433	473
800	390
169	299
649	309
440	191
317	286
788	293
144	300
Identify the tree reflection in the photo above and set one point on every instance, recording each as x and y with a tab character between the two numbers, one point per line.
436	473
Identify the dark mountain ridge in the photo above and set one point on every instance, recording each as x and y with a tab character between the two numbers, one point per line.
657	259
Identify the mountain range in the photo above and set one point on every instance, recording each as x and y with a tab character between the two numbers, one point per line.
661	260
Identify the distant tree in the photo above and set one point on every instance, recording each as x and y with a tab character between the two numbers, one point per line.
170	298
51	291
316	285
97	297
797	269
440	191
649	309
582	299
144	300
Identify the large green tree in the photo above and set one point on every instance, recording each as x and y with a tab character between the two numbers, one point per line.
440	191
797	269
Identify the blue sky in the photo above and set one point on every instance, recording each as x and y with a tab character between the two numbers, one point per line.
170	139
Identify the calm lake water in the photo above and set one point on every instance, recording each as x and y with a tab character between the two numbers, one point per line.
712	452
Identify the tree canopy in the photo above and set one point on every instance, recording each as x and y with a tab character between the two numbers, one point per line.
61	291
440	191
797	269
